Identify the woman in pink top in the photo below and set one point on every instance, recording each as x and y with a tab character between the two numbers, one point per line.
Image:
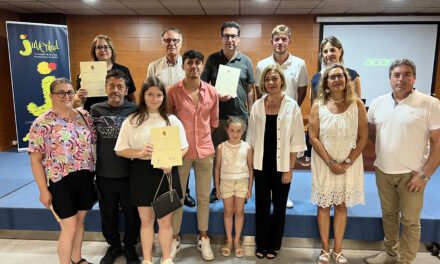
60	148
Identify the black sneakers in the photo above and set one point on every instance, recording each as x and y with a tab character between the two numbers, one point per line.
213	196
112	254
189	201
131	256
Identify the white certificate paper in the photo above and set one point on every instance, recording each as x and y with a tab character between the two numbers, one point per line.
93	77
227	80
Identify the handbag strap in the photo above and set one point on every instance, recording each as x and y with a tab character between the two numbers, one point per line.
169	177
87	124
85	121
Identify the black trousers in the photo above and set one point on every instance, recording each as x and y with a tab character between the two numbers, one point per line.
270	227
114	193
308	152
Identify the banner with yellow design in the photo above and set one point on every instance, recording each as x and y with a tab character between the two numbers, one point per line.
38	54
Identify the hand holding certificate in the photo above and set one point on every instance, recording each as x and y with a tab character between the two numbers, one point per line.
93	77
227	80
166	141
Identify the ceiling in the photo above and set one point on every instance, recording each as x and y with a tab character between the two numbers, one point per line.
223	7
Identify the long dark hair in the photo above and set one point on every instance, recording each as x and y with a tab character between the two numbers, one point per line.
141	113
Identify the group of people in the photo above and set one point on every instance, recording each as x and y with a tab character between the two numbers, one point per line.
233	140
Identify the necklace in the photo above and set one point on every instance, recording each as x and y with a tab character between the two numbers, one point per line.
336	101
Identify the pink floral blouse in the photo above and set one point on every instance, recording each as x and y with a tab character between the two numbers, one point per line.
66	144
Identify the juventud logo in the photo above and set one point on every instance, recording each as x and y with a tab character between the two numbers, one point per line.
27	46
42	47
377	62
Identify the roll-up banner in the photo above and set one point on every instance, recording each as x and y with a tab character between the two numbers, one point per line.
38	54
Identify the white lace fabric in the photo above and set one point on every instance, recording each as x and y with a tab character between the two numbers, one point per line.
338	134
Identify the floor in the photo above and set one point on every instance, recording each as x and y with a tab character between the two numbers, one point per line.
14	251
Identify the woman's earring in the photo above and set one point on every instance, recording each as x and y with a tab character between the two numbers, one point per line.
327	90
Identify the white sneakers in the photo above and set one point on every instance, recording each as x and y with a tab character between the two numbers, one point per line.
168	261
381	258
175	247
204	245
289	203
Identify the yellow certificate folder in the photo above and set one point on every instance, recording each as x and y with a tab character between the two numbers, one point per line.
166	142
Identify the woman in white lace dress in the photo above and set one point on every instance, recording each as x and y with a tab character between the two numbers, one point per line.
338	130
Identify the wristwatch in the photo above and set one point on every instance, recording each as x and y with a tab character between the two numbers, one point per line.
347	160
424	177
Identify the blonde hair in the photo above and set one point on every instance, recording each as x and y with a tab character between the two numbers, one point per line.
236	120
324	91
272	67
281	29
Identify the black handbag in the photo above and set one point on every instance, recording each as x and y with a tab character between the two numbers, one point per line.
167	202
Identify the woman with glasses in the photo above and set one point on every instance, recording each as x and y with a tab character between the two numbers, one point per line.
330	51
102	49
276	134
134	142
338	131
60	148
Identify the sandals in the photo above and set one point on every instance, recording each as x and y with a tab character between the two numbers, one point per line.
324	257
80	261
226	251
339	258
273	253
260	253
239	250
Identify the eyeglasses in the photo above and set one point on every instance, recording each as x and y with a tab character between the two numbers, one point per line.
227	36
336	76
174	41
105	47
62	94
154	96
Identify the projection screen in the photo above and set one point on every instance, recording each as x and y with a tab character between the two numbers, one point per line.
369	49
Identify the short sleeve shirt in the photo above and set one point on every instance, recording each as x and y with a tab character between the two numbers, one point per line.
402	130
108	121
133	136
294	70
235	106
66	144
167	73
197	119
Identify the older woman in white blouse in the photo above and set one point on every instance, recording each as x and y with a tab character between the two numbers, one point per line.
276	134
